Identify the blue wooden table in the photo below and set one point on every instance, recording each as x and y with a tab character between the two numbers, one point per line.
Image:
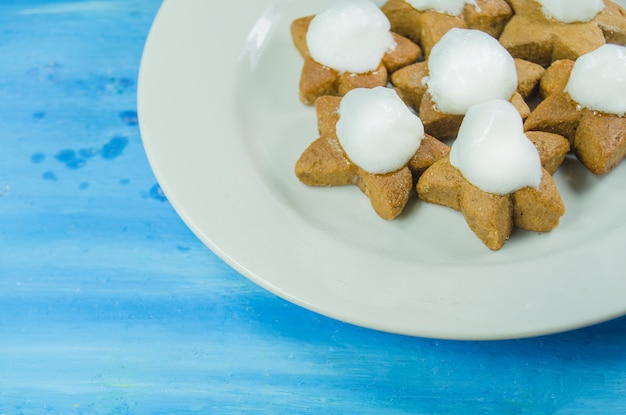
110	305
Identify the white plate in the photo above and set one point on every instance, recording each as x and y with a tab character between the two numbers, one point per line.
222	126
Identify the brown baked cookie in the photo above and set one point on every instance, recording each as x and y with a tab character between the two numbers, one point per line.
317	80
409	83
490	216
427	27
324	163
530	35
529	75
597	139
555	77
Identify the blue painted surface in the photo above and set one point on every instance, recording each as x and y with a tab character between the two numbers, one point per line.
109	305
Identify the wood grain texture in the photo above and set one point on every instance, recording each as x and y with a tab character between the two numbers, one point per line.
109	305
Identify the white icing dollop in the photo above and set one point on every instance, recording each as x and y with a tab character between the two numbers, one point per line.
377	130
451	7
598	80
492	151
467	67
350	36
569	11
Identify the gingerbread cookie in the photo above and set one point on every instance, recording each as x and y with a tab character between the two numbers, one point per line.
328	73
496	176
466	67
325	163
597	135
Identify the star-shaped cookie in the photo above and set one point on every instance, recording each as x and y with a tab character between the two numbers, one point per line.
426	27
409	82
597	139
325	163
532	36
318	80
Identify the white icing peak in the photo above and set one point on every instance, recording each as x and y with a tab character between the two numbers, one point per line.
350	36
569	11
377	130
598	80
467	67
451	7
492	152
